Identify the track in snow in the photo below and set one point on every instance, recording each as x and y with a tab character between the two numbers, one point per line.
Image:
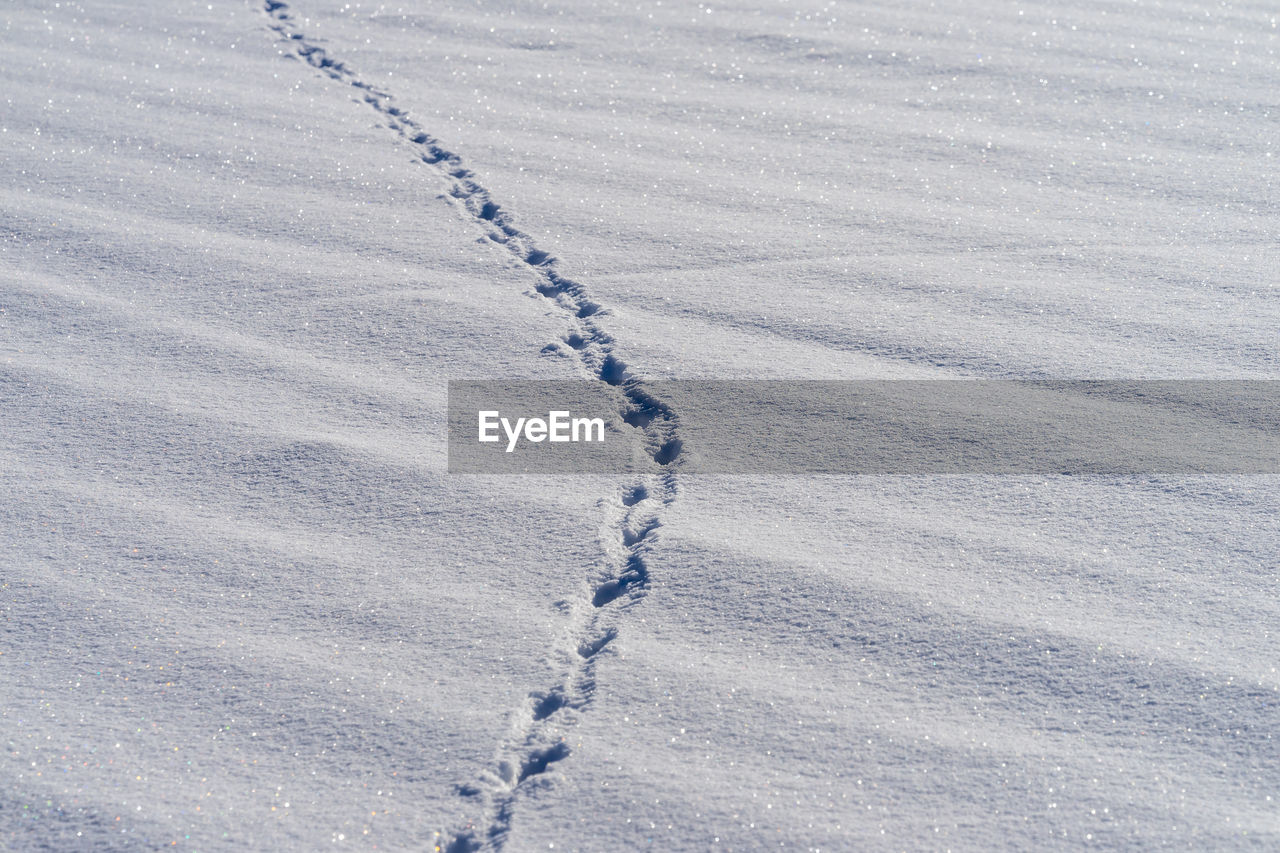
536	744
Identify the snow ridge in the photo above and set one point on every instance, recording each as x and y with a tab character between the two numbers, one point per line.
537	740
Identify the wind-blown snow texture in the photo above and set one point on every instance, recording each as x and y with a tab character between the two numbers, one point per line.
244	246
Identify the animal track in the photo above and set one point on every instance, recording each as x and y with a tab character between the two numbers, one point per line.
538	760
634	495
636	576
592	648
548	703
630	537
535	744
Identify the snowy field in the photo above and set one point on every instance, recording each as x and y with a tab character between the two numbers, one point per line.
244	246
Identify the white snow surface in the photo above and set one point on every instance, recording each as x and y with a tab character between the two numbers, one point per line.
244	245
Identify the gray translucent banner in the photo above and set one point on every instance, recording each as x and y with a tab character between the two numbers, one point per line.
1105	427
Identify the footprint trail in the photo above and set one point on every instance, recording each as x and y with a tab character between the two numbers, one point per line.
537	744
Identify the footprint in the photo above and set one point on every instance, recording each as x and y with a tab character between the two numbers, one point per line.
536	763
591	649
546	704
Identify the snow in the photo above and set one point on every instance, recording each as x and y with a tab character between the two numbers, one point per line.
244	246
